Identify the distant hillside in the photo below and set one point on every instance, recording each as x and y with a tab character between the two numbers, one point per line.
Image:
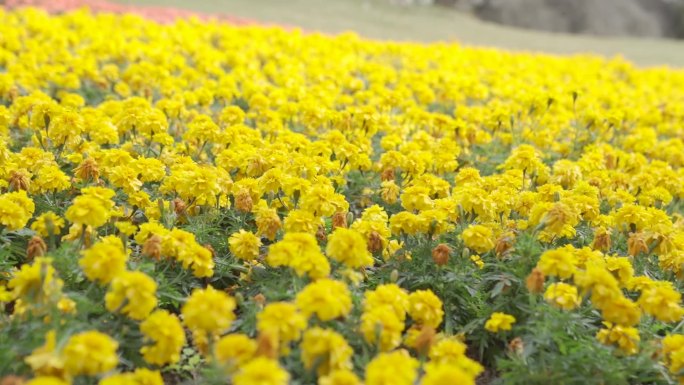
653	18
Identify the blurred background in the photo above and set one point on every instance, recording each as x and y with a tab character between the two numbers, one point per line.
645	31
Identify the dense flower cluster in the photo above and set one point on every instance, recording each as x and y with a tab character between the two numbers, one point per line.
257	206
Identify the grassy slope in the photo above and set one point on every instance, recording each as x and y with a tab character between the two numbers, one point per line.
377	19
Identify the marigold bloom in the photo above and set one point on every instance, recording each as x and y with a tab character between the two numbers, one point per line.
46	380
283	320
165	332
559	262
499	322
562	296
102	262
425	308
234	350
140	376
326	298
626	338
326	349
244	245
48	223
444	374
478	238
261	371
132	293
349	247
396	368
90	353
208	310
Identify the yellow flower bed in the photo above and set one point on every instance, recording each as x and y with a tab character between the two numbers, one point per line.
203	203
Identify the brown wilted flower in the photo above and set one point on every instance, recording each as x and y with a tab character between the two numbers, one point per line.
535	281
339	219
259	299
504	244
425	340
211	250
36	247
440	254
636	243
19	180
602	239
516	346
179	206
88	170
243	200
267	345
320	234
12	380
152	247
387	174
374	242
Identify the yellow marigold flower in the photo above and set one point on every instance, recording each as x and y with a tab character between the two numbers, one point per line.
621	310
301	221
477	260
50	178
267	221
340	377
208	310
562	296
47	380
326	298
182	246
326	349
234	350
140	376
662	302
132	293
560	220
388	294
425	308
90	353
446	374
349	247
244	245
89	211
66	305
262	371
282	319
16	208
478	238
102	262
301	252
621	267
48	223
560	263
47	360
384	323
396	368
389	191
36	282
126	228
166	333
453	352
416	198
601	283
672	343
499	322
626	338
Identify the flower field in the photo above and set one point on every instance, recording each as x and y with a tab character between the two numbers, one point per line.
202	203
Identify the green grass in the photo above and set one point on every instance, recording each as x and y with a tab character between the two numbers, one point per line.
379	20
